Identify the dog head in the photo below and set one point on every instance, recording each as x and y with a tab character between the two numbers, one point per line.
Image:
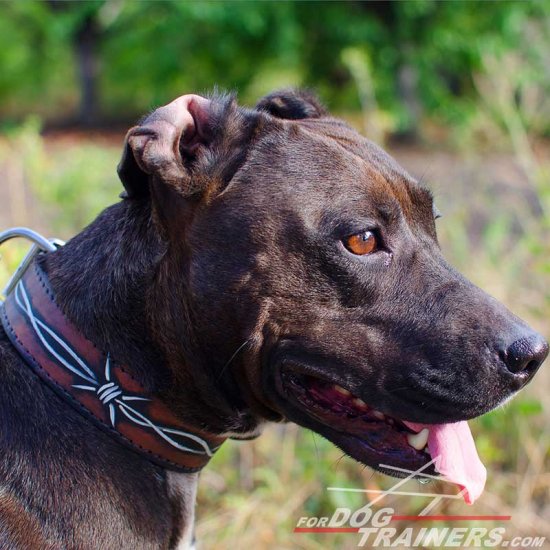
314	282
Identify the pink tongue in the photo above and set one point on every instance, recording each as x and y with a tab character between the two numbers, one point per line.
453	447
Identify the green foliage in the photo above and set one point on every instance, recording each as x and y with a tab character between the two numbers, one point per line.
149	52
71	182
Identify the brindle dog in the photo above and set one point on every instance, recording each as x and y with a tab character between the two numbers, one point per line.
260	259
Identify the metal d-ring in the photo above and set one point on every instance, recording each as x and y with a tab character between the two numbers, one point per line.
39	244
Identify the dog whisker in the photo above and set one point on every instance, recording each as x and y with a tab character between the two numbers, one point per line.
232	358
315	443
336	463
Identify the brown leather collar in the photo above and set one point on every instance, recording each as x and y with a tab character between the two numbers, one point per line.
94	383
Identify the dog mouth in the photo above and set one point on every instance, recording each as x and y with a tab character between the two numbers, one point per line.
386	443
378	439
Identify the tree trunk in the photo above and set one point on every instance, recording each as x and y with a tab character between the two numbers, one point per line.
86	39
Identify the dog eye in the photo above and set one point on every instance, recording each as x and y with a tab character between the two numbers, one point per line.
361	243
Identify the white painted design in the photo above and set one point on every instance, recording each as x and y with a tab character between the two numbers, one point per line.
38	325
107	391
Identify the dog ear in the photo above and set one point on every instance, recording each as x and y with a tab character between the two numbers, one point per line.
292	104
163	144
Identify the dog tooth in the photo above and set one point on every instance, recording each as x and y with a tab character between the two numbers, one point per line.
341	391
378	414
419	440
360	404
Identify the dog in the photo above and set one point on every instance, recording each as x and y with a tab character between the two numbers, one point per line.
263	265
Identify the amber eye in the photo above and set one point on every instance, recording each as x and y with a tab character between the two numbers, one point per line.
361	243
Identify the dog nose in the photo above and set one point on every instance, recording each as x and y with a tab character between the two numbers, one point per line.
525	355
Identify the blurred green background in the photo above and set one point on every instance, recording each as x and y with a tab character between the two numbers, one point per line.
457	91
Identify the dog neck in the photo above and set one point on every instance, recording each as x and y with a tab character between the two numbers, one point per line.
182	490
122	287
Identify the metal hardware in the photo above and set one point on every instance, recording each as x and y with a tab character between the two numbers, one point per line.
39	244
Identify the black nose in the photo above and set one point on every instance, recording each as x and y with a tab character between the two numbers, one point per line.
525	355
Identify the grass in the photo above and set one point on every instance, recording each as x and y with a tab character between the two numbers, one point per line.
253	493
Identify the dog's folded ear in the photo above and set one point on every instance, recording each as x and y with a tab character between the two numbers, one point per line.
292	105
194	140
163	144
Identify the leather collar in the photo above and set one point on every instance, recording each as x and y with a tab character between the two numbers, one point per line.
94	383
